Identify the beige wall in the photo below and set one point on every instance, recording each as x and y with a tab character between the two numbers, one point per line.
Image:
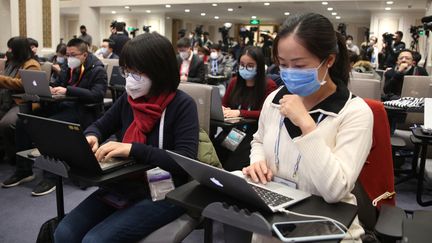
5	19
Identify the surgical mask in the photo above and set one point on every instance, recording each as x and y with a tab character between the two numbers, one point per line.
73	62
104	50
60	60
137	88
184	55
349	42
247	74
302	81
214	55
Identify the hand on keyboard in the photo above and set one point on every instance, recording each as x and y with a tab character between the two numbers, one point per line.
113	149
259	172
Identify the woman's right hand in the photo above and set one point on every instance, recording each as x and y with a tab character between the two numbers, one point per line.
93	142
258	172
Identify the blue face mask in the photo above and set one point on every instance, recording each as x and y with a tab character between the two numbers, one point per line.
247	74
302	81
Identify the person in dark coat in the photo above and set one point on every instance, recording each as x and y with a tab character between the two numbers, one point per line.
191	66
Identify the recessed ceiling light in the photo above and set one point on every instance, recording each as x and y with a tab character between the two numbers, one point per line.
214	4
168	17
203	14
253	17
216	17
148	11
167	6
330	9
324	3
113	12
334	13
187	10
388	9
127	7
266	4
230	10
338	17
389	2
286	13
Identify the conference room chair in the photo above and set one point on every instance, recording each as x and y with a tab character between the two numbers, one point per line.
362	75
47	68
365	88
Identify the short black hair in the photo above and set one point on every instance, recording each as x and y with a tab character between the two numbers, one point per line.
349	37
206	33
111	43
416	56
184	42
120	26
82	27
400	33
61	48
33	42
78	43
216	46
407	50
153	55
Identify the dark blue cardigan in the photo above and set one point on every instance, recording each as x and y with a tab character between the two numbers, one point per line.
181	129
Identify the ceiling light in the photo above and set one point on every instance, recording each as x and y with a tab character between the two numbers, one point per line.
203	14
286	13
330	9
228	25
167	6
324	3
148	11
338	17
214	4
253	17
334	13
216	17
389	2
266	4
127	7
168	17
230	10
187	10
113	12
388	9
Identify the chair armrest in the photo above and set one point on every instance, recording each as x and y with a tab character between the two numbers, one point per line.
389	222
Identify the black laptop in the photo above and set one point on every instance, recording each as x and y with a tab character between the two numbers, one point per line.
66	142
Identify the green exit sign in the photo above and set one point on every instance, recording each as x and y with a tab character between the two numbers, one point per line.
254	21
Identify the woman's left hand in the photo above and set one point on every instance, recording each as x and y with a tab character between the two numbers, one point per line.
113	149
293	108
58	90
231	113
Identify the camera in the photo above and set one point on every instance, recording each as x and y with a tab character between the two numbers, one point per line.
199	30
342	29
146	28
388	38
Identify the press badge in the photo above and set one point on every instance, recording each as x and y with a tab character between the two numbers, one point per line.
233	139
285	182
160	183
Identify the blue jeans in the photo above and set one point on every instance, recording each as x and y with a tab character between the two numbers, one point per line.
95	221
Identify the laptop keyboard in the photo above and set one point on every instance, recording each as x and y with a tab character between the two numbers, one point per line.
110	163
271	198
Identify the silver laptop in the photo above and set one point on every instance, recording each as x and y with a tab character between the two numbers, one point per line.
35	83
216	112
270	197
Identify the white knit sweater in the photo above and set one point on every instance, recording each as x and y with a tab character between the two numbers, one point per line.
332	155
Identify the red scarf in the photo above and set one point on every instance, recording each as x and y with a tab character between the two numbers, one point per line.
146	114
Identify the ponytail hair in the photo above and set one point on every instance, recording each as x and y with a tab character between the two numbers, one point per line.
316	33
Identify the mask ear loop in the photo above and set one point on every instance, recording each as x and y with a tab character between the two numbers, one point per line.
323	81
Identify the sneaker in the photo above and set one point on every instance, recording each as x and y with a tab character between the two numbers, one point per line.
17	179
44	187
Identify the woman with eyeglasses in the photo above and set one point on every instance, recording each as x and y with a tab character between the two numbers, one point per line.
313	133
244	98
151	117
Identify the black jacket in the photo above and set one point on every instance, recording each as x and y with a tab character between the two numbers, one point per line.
120	40
196	69
90	89
394	80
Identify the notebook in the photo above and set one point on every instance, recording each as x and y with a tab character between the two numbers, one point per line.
66	142
35	83
270	197
216	112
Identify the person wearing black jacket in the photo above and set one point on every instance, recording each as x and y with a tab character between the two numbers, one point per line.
190	65
394	77
84	78
119	38
392	52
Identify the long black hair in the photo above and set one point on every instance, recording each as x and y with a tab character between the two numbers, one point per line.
21	51
255	98
316	33
153	55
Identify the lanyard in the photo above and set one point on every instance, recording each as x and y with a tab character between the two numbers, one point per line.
161	127
79	78
276	149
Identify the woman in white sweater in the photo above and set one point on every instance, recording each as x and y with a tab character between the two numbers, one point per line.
313	132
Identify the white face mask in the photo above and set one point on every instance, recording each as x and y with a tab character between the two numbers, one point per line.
349	42
137	88
104	51
73	62
184	55
214	55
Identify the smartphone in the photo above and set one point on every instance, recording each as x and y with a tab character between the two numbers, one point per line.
308	230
